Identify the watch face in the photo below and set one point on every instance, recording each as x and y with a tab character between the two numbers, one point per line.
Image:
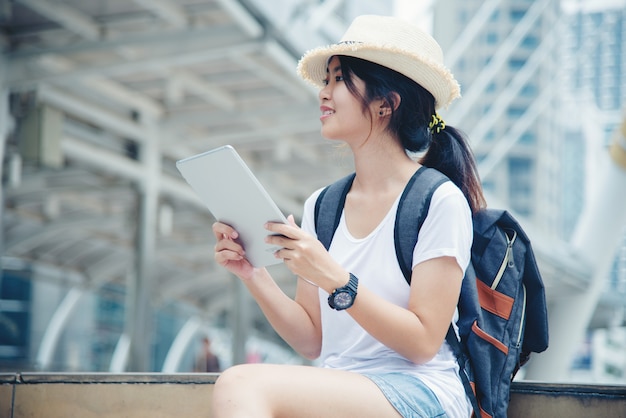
342	300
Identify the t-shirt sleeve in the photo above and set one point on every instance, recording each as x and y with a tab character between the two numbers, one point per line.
447	229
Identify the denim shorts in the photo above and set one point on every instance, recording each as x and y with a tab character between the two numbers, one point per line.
408	394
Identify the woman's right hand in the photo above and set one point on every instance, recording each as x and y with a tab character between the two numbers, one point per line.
229	253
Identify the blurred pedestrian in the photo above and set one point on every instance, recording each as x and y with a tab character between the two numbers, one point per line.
206	360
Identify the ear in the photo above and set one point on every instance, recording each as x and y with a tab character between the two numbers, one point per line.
385	107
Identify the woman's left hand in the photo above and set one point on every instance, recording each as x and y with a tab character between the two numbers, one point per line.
305	256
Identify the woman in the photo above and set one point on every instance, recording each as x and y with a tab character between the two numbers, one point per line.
380	342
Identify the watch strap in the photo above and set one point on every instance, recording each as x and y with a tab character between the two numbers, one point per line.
350	288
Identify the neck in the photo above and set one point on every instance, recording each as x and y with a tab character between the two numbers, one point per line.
381	164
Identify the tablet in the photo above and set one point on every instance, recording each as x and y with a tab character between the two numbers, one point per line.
235	197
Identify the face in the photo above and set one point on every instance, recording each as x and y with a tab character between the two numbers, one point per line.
342	115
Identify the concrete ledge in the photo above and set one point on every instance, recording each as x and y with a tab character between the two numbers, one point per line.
7	383
111	395
91	395
118	378
535	399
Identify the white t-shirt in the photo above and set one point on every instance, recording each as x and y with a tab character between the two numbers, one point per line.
447	231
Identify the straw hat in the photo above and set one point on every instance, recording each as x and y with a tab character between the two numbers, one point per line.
393	43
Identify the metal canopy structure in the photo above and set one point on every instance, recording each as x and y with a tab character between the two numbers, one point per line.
100	99
113	93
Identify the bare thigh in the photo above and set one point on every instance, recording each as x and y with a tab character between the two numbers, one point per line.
285	391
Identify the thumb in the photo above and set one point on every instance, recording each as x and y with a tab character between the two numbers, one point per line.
291	220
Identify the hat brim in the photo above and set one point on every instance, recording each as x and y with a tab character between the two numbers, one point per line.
431	75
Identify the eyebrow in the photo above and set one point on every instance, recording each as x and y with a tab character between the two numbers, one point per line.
335	70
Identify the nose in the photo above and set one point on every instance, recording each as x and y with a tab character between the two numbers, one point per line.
324	93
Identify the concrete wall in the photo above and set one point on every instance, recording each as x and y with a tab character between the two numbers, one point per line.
30	395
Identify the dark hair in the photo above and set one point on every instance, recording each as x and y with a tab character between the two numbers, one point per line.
447	151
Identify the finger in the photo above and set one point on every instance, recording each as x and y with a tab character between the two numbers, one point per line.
282	254
225	256
292	221
278	241
287	230
227	244
222	230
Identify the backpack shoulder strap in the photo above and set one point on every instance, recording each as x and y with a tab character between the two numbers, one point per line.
328	208
463	362
412	210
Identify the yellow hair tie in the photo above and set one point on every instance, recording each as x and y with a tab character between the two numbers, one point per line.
436	124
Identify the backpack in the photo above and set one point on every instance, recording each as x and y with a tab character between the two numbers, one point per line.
502	306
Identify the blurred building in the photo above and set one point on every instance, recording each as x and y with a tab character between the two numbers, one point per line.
505	54
543	84
594	73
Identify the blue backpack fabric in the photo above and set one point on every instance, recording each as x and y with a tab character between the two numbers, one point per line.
502	307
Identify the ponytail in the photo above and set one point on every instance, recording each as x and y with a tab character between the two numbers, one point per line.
449	152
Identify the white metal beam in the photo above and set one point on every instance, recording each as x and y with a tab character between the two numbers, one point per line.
105	87
288	63
19	78
248	135
500	150
207	281
6	125
141	282
22	244
166	10
212	93
55	327
497	61
120	355
171	364
214	36
103	270
175	120
470	31
123	167
246	21
97	115
499	106
290	85
66	16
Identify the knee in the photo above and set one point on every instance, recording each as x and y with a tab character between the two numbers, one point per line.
234	389
233	378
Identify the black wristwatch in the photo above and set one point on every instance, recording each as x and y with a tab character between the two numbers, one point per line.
343	297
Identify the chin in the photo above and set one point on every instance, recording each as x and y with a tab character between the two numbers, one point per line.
329	135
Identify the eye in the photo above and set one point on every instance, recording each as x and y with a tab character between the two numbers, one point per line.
338	78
